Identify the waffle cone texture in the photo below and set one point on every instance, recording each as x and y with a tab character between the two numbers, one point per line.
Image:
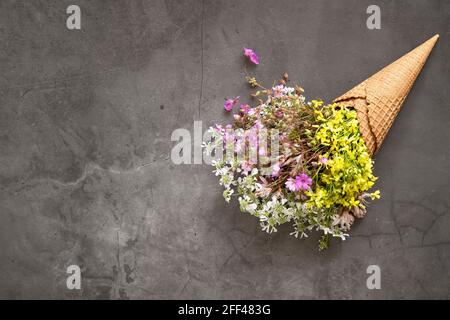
378	99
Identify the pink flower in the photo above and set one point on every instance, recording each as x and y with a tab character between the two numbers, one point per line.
245	108
262	151
323	160
279	114
230	103
229	136
249	53
290	184
276	169
258	125
278	91
301	182
246	167
218	127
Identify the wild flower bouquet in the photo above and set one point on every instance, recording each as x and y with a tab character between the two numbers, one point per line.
292	161
309	163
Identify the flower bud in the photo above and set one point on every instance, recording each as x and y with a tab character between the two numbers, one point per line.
299	90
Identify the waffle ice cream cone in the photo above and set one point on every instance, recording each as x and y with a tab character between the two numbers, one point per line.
379	98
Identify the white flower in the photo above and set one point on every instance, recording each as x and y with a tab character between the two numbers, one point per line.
268	228
221	171
263	216
227	194
227	180
288	90
251	208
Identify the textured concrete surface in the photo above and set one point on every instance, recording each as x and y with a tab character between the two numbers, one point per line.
85	173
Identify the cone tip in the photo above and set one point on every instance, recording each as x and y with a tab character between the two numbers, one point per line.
430	43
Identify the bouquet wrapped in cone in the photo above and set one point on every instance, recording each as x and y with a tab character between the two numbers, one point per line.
307	163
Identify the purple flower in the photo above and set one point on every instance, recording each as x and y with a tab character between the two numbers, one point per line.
230	103
253	57
323	160
301	182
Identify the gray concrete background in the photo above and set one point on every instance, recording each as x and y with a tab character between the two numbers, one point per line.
85	174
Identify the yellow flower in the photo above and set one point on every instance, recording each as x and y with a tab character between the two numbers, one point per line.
375	195
349	168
